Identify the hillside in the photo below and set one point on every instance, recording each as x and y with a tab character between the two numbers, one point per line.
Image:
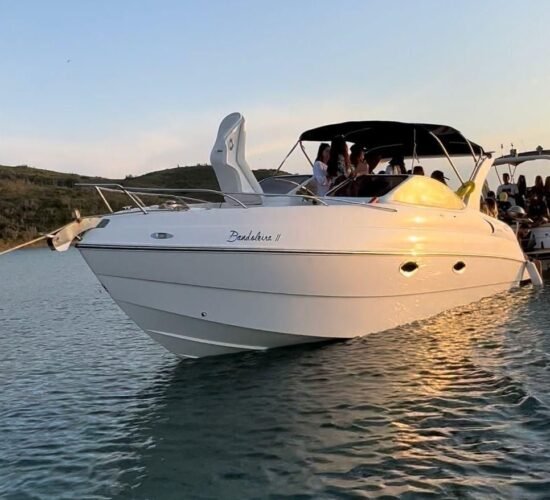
35	201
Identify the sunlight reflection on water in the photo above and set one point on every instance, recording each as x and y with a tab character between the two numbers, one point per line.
456	406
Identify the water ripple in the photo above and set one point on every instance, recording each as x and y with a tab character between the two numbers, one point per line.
454	407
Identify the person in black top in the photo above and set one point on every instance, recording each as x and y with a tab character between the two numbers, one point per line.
522	191
547	190
538	188
538	209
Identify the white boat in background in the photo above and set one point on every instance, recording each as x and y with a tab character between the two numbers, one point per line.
271	264
537	244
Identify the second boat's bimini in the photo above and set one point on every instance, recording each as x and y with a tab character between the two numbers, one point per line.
272	264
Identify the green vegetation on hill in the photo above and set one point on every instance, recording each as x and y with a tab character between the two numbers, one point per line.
35	201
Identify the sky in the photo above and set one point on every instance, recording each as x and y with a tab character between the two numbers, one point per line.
123	87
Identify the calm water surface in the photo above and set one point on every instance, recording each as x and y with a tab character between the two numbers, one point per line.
454	407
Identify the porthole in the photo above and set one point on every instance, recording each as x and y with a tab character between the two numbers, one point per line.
407	269
161	236
459	267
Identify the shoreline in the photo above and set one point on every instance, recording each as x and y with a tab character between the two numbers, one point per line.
6	245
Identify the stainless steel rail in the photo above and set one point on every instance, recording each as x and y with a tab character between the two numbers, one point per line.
133	194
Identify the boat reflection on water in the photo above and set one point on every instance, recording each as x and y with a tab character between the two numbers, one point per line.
432	407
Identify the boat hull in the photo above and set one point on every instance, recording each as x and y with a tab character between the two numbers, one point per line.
203	302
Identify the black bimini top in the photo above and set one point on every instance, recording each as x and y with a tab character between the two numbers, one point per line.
397	138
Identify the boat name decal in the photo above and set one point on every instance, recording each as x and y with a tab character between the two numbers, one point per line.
251	236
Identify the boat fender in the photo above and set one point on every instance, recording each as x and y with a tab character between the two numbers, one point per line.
465	190
533	273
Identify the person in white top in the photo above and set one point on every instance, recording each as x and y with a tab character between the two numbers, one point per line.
321	182
509	188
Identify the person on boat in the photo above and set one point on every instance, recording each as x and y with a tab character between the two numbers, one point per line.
396	166
509	188
483	206
547	190
373	159
439	176
492	208
538	188
357	160
321	182
504	204
339	164
418	170
522	191
538	209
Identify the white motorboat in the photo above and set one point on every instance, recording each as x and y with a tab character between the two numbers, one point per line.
272	264
537	243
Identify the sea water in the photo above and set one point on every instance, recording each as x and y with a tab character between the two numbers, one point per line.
454	407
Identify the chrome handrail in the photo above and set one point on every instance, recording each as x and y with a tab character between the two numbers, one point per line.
133	192
136	200
199	190
181	198
129	191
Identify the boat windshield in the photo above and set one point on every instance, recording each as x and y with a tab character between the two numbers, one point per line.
283	184
426	192
368	186
409	189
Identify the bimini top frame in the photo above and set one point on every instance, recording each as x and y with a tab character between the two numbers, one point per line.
514	159
388	138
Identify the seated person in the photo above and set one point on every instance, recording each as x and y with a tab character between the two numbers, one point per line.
357	160
396	166
510	189
538	188
492	208
418	170
483	207
538	210
503	205
439	176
